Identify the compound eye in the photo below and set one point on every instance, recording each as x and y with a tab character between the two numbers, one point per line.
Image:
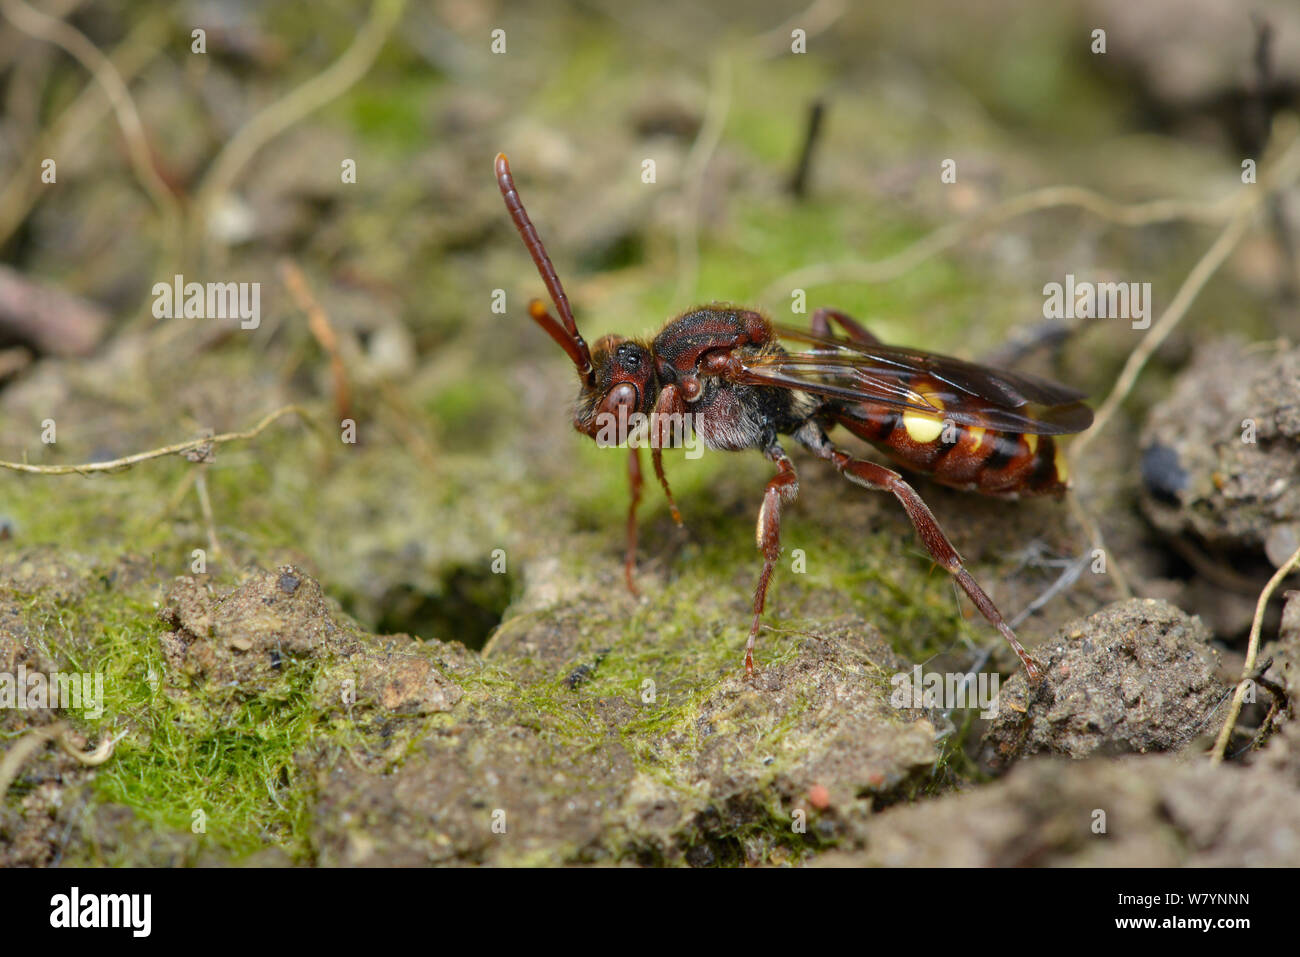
623	395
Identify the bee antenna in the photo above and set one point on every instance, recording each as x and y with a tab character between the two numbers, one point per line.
577	347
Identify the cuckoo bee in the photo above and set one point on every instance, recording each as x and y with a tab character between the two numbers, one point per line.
965	425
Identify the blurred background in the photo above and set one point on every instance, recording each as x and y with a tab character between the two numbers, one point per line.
231	164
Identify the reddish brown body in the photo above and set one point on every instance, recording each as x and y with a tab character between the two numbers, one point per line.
976	457
979	460
966	425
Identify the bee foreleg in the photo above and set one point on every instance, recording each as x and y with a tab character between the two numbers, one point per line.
781	490
669	402
634	487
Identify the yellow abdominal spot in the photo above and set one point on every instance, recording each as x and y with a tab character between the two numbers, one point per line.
923	426
1062	469
977	437
1031	440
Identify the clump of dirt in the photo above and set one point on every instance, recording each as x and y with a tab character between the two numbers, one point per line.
480	791
723	778
820	721
119	835
1152	811
1219	454
276	619
1139	675
57	575
31	828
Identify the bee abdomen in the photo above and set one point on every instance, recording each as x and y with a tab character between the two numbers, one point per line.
967	457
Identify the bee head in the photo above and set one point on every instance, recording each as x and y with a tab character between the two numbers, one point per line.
623	383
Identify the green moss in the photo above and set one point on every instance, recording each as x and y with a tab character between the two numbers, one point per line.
182	754
86	512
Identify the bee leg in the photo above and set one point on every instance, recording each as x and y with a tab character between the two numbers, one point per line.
634	486
668	402
878	478
657	456
781	490
854	330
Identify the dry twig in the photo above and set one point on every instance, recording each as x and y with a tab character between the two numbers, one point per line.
26	746
1252	652
127	461
34	740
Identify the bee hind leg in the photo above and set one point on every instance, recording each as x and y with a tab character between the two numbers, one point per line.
855	332
634	487
875	477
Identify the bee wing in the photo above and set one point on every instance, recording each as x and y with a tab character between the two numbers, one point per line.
962	392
